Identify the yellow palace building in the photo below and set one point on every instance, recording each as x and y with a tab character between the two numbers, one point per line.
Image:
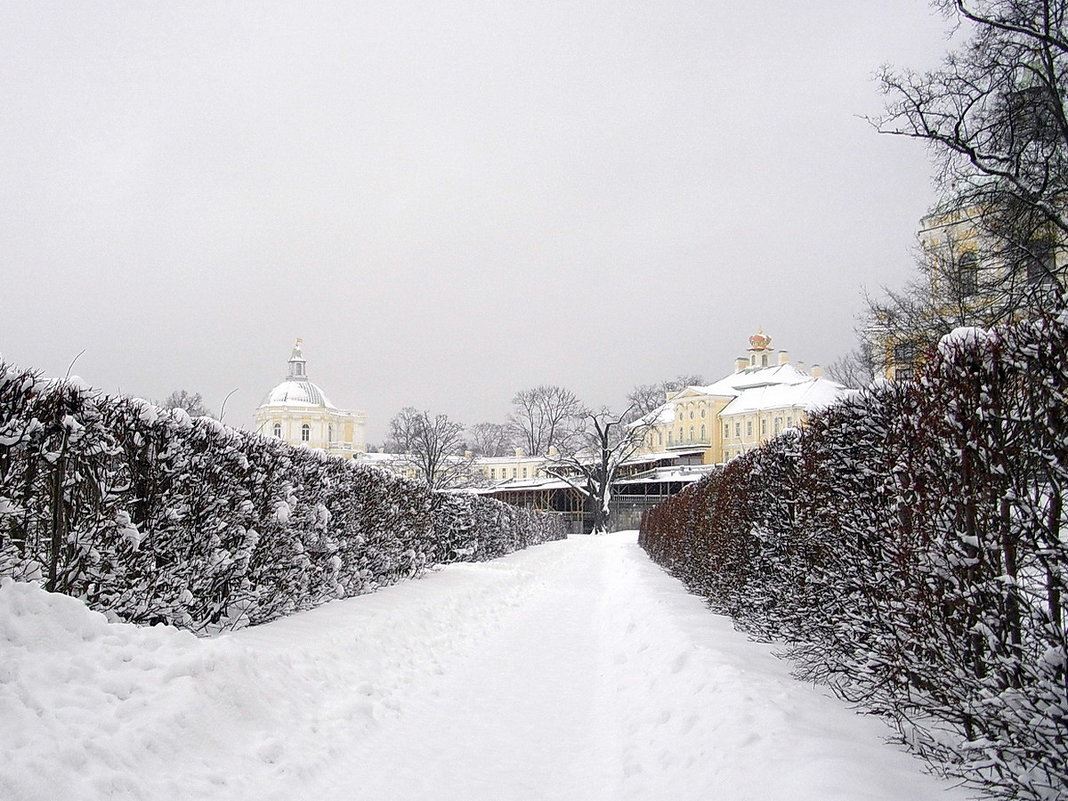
765	395
299	412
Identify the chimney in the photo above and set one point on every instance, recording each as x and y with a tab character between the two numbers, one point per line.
817	371
800	366
740	363
518	453
468	455
784	357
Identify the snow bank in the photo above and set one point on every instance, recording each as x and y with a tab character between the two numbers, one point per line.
577	670
93	709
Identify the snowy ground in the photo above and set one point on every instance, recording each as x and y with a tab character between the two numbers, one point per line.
576	670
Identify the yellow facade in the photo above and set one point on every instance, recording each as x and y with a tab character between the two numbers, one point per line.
518	467
968	281
765	395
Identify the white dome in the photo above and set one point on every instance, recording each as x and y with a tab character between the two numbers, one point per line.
297	393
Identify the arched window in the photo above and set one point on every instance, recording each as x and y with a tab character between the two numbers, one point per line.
278	430
330	434
704	434
969	275
691	433
305	433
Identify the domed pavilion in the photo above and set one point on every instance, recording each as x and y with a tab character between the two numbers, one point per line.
299	412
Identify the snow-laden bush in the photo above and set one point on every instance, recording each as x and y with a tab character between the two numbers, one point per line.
910	548
152	516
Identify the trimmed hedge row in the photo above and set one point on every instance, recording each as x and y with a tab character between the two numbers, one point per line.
152	516
910	548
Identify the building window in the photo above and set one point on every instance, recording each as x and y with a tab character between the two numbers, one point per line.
904	353
778	424
789	422
969	275
680	436
493	473
515	472
691	414
524	472
278	430
305	433
670	438
726	431
704	434
737	430
764	360
691	433
764	426
703	411
659	437
330	434
749	428
1039	261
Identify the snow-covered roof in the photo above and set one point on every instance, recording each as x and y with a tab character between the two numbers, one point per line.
297	393
661	456
756	388
736	382
661	414
810	394
660	475
519	484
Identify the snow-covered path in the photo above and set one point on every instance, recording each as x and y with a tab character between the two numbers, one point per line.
575	670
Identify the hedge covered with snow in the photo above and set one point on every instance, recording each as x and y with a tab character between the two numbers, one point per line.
155	517
910	547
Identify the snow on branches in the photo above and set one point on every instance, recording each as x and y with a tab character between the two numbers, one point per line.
152	516
910	547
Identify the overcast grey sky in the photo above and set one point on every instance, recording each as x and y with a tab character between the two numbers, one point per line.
449	201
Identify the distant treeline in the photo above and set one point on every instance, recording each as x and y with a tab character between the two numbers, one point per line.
909	548
152	516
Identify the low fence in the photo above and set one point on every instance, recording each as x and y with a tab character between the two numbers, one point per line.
909	547
152	516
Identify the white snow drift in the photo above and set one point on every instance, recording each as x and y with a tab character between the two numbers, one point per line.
576	670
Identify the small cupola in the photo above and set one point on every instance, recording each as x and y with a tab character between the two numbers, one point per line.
298	367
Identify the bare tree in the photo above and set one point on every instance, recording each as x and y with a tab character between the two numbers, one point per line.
191	402
956	284
604	442
432	446
994	117
855	369
490	439
645	398
545	417
402	430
